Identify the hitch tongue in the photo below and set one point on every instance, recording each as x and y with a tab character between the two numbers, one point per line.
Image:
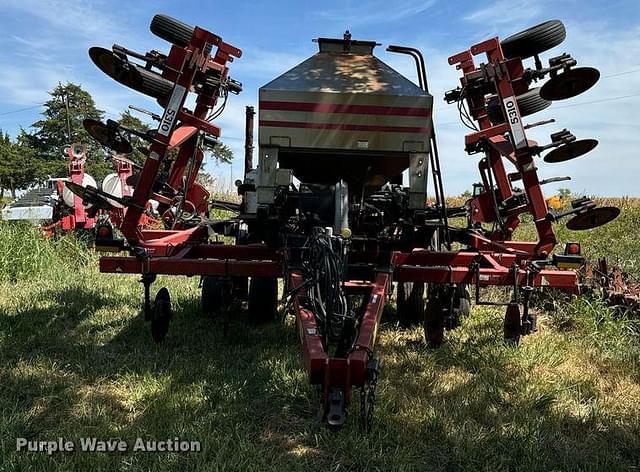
336	414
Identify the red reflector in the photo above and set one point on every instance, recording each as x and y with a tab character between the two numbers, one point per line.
573	248
104	231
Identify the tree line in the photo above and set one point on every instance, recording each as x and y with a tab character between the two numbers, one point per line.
36	154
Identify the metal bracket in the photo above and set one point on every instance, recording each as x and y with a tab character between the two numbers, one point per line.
147	280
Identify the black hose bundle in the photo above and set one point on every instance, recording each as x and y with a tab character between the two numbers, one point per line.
324	265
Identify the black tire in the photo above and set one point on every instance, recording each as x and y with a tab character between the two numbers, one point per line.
172	30
161	315
410	302
156	86
241	288
529	103
216	295
153	84
434	319
461	306
463	298
512	326
263	299
464	307
534	40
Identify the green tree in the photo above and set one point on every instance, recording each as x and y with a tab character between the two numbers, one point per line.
18	166
564	193
221	152
61	124
206	180
130	121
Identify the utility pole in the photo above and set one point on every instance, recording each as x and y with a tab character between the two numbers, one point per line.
66	107
248	139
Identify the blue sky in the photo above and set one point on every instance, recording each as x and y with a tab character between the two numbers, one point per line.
45	41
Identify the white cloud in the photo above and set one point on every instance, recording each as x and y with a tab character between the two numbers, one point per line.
36	59
610	169
264	64
26	87
75	17
505	12
380	11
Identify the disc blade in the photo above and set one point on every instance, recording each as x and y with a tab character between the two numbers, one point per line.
77	189
132	180
115	67
571	150
570	83
107	136
89	195
132	75
593	218
158	186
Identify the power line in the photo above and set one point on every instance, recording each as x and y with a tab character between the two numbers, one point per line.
21	109
618	74
610	99
633	71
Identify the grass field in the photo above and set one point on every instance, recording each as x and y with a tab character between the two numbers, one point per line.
76	360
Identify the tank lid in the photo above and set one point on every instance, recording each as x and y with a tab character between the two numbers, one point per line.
346	45
343	66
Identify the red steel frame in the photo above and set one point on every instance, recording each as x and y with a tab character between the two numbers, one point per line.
338	372
124	169
507	75
78	219
181	67
484	268
492	261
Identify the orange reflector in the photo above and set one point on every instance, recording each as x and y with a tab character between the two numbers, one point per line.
573	248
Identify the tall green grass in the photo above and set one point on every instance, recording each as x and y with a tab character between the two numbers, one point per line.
77	360
618	241
25	252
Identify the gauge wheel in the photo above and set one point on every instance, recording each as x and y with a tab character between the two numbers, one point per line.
434	319
172	30
410	302
529	103
263	299
534	40
216	295
512	324
461	306
161	315
153	84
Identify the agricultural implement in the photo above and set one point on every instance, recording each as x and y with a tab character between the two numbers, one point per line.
325	208
56	205
72	212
